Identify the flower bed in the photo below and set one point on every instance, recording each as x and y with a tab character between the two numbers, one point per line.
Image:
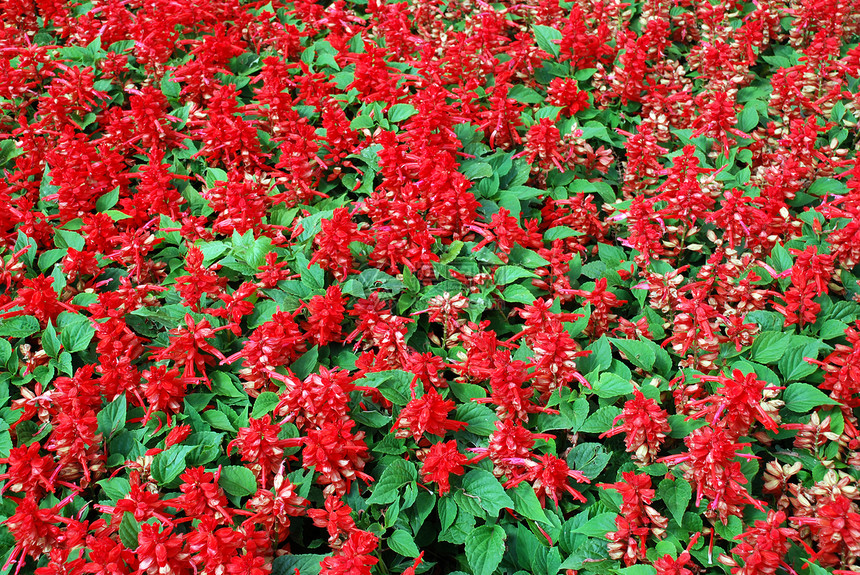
429	287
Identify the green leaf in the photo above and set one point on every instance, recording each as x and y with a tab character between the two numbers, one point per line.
218	420
518	294
112	418
524	95
547	39
802	397
611	385
307	363
129	529
598	526
5	352
115	487
526	503
395	385
637	570
491	496
50	341
509	274
793	364
481	419
400	112
770	346
398	473
601	420
264	404
832	328
485	547
237	480
76	332
476	170
560	233
638	353
167	465
402	543
447	510
681	427
677	495
589	458
20	326
108	200
307	564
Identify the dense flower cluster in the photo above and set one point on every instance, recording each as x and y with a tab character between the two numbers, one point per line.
424	286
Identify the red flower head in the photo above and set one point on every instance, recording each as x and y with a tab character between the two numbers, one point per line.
646	426
261	447
337	454
336	518
354	557
440	461
428	413
549	476
325	316
161	551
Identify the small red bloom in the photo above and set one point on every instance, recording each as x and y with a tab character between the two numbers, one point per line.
440	462
428	413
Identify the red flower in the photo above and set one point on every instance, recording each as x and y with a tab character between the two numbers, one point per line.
332	251
161	551
325	321
337	455
354	557
336	518
646	427
260	447
27	471
549	476
440	462
427	414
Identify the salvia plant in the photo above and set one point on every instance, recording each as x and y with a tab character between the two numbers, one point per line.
429	286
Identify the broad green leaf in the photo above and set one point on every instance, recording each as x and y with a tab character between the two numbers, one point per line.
485	547
526	503
589	458
509	274
396	475
400	112
770	346
598	526
601	420
167	465
793	364
638	353
237	480
50	341
307	564
307	363
547	39
76	331
395	385
802	397
112	418
129	529
611	385
516	293
491	496
637	570
402	543
481	419
264	404
20	326
677	495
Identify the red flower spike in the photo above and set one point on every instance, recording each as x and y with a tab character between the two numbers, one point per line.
427	414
